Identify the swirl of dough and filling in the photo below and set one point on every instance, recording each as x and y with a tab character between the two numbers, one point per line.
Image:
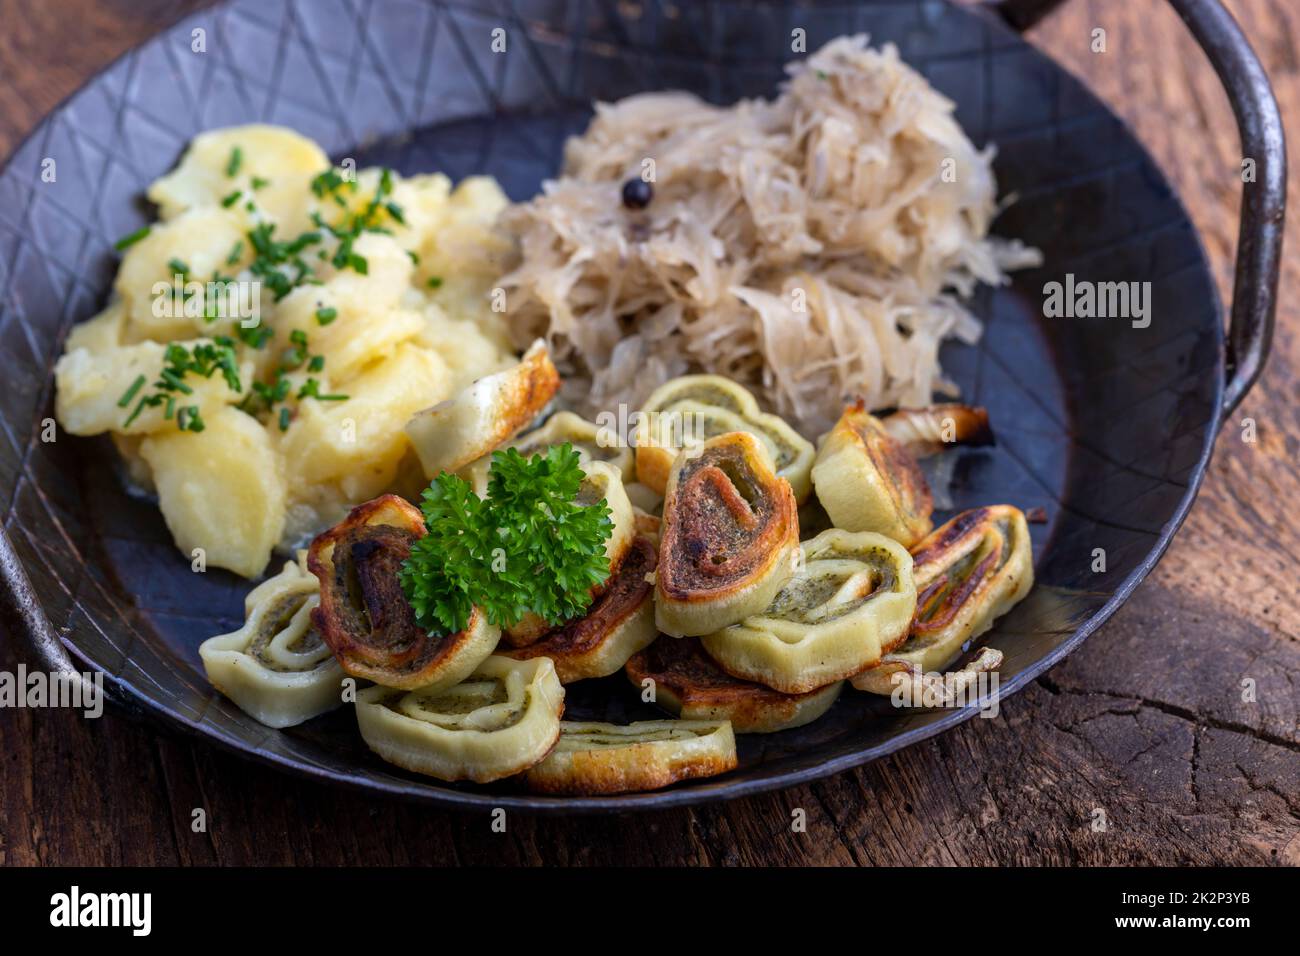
592	443
276	667
688	684
502	719
686	411
850	602
365	617
619	623
968	573
729	537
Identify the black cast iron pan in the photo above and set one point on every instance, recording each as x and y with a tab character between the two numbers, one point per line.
1107	427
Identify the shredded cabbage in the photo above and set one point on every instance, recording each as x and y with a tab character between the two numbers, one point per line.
814	247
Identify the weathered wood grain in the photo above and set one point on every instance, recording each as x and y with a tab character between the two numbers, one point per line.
1145	726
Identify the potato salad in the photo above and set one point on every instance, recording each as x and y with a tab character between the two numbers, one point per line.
271	334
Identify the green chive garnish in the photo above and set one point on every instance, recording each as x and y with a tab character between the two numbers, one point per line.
129	394
131	239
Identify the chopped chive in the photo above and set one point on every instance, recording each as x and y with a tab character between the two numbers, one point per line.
316	364
434	282
138	409
236	252
284	419
326	314
235	162
415	257
132	238
189	419
232	198
259	183
129	394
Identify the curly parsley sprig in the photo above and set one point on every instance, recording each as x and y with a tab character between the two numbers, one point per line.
529	546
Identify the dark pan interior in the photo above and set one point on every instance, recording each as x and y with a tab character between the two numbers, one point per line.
1104	426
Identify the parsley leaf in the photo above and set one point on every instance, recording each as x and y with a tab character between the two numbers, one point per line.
528	546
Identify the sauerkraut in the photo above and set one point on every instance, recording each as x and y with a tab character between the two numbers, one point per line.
815	247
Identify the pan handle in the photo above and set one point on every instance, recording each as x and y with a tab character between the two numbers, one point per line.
21	614
1263	202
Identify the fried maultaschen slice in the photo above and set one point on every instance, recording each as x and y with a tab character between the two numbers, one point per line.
601	483
688	684
968	573
867	481
850	603
364	616
502	719
620	622
686	411
928	431
454	433
589	440
593	758
276	667
729	538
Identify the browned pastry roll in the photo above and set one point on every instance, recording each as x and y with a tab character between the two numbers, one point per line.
688	684
619	623
867	481
968	573
364	616
729	537
595	758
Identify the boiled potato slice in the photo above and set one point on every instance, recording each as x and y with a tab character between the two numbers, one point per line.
470	349
102	332
89	386
286	160
368	323
221	489
466	251
359	442
201	240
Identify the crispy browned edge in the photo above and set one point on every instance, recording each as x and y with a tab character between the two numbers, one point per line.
596	780
905	481
526	397
324	620
747	703
618	601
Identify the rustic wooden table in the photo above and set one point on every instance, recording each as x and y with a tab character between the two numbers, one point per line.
1144	727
